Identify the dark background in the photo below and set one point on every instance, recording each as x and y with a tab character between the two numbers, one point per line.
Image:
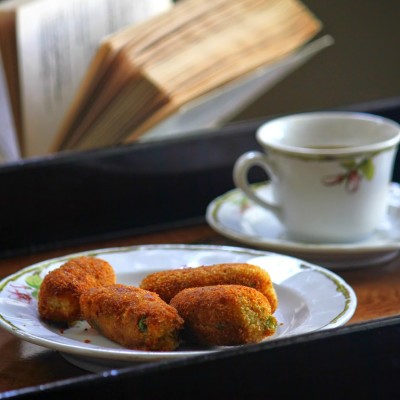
362	65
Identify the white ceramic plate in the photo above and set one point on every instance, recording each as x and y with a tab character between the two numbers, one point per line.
310	298
237	217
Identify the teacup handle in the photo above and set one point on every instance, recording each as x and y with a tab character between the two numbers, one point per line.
240	177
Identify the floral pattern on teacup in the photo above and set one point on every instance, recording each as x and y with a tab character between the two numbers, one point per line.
354	172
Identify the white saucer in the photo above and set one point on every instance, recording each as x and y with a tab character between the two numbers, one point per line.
237	217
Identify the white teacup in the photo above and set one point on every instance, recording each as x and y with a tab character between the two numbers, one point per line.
330	173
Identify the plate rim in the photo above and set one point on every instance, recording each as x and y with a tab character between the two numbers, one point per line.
141	355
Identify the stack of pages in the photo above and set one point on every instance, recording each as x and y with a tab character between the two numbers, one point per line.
143	74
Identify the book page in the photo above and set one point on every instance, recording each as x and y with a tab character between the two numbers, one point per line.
221	105
8	137
196	47
56	42
219	47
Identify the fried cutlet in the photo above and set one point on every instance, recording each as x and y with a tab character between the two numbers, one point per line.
168	283
132	317
59	293
224	315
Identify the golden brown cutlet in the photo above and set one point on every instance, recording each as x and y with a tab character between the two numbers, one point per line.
224	315
132	317
168	283
59	293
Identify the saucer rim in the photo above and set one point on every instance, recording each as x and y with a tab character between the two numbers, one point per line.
291	245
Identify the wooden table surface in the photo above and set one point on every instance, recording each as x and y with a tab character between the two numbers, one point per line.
23	364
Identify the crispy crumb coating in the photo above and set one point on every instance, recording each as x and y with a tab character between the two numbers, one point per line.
132	317
224	315
61	288
168	283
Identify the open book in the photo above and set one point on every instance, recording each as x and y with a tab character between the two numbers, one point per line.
141	77
46	48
